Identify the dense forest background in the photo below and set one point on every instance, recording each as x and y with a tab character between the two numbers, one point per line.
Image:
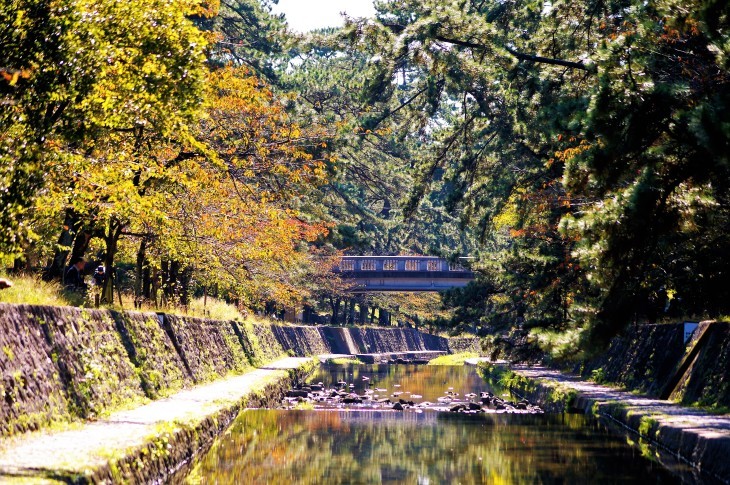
577	151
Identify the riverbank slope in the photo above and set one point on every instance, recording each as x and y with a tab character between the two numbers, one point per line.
691	434
101	383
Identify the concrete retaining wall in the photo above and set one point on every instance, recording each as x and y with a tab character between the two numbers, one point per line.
655	360
707	380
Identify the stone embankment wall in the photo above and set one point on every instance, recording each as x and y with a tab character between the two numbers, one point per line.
60	363
655	360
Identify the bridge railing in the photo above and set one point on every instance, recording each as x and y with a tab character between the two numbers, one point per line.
397	264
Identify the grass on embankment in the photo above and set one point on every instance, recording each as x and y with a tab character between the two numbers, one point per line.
453	359
32	290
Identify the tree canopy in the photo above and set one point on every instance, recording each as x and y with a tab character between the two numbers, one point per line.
578	150
585	143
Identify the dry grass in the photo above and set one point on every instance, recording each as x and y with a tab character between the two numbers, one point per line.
212	308
31	290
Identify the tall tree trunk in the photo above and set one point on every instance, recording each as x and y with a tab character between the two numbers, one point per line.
184	285
173	282
335	304
307	314
384	318
111	238
57	265
162	281
344	312
147	284
81	243
139	271
155	286
352	311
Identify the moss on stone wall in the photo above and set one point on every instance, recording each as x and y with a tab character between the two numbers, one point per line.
32	394
647	359
264	347
92	361
159	366
65	363
643	359
458	345
369	340
210	348
302	340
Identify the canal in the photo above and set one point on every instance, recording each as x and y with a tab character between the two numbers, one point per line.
327	441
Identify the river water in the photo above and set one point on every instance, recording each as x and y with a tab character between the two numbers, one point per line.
371	444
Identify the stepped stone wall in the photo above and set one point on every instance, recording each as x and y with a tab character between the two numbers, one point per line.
643	359
209	348
465	344
93	364
159	365
355	340
306	340
263	344
62	363
31	391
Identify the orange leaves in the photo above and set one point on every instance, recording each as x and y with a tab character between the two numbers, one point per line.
254	135
11	76
570	153
236	213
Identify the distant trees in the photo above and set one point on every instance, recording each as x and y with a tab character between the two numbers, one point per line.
585	144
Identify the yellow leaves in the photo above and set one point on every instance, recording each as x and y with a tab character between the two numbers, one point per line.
207	8
11	76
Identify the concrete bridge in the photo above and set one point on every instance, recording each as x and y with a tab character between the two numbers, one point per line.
402	273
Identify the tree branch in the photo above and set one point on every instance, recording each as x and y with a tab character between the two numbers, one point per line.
519	55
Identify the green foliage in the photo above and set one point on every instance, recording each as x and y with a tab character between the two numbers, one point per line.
585	144
598	375
344	361
75	90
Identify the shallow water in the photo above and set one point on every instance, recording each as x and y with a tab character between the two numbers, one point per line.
442	386
361	445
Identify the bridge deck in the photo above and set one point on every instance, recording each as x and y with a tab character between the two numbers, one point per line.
402	273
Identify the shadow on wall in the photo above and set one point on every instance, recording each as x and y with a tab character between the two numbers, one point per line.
656	360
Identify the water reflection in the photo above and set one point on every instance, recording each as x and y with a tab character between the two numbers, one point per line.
377	446
274	446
